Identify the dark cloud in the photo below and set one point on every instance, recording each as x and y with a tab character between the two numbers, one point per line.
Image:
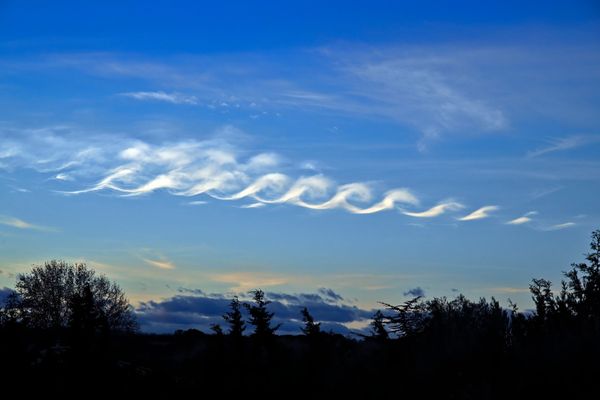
330	294
200	310
189	291
415	292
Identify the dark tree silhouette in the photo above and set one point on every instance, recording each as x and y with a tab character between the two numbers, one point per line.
216	328
541	291
234	318
60	295
583	284
311	328
578	302
408	317
455	348
84	318
260	317
378	330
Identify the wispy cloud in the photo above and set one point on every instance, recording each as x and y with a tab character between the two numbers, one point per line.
197	203
162	264
213	168
558	227
425	88
244	281
436	210
522	219
201	169
481	213
562	144
20	224
175	98
253	205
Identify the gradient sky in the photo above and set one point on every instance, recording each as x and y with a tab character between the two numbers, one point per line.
368	148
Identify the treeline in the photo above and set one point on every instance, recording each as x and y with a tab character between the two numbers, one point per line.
67	328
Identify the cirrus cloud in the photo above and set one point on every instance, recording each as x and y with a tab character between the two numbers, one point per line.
175	98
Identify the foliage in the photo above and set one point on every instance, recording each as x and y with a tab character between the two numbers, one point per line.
260	317
311	328
234	318
378	330
61	295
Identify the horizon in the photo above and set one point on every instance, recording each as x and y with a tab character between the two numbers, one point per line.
340	154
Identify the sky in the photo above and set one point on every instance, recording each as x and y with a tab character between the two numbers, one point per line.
334	155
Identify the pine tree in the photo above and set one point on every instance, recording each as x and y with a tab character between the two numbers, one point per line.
234	318
260	317
311	328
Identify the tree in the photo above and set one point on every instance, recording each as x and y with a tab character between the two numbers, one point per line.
409	317
260	317
234	318
584	283
311	328
59	295
216	328
541	290
378	330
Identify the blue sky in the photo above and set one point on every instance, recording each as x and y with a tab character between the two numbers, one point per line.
368	148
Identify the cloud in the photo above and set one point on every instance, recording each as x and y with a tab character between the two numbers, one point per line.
244	281
197	169
563	144
558	227
212	168
63	177
196	309
175	98
415	292
253	205
330	294
423	90
434	89
20	224
162	264
523	219
481	213
436	210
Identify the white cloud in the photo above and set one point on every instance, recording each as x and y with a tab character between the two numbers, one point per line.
244	281
523	219
194	168
175	98
162	264
389	201
481	213
197	203
519	221
253	205
436	210
63	177
20	224
558	227
191	168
